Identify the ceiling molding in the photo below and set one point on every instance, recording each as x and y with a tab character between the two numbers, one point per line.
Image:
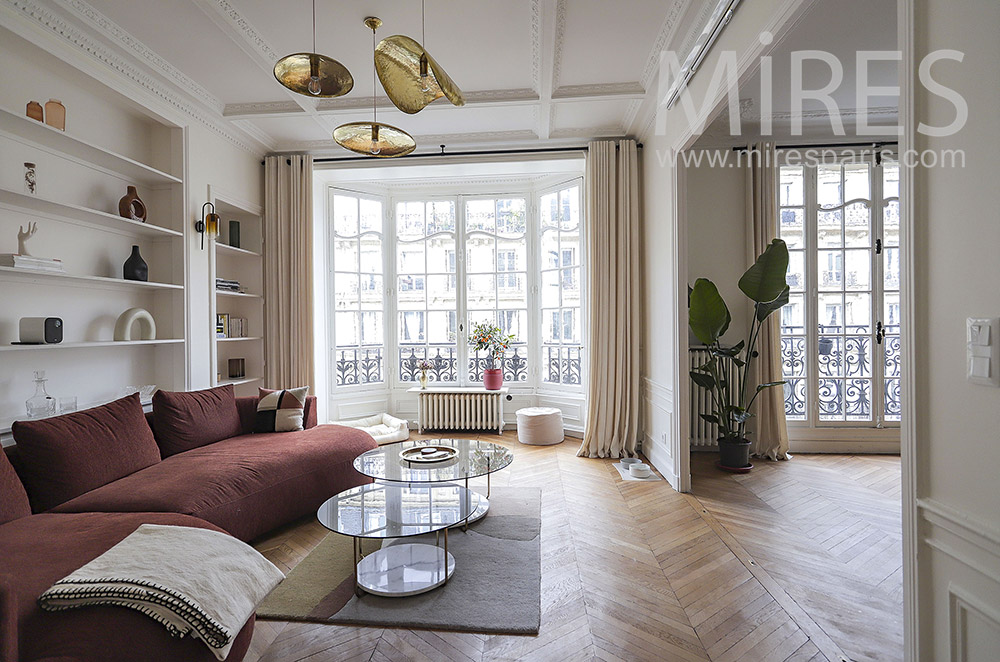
664	38
548	21
599	91
536	44
432	140
588	132
55	27
557	46
258	134
118	35
262	109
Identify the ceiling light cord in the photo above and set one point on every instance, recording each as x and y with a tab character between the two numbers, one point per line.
314	26
375	148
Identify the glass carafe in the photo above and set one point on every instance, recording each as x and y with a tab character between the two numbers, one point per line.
41	404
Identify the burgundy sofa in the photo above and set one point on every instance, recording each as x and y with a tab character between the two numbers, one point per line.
244	485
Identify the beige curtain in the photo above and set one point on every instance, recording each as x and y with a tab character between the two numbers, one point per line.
615	321
288	271
770	434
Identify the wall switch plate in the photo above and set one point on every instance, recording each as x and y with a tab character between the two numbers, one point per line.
982	357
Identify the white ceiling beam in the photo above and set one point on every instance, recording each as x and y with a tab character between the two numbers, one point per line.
235	26
546	34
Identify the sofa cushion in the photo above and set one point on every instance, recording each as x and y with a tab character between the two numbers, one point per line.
190	419
247	485
281	410
41	549
247	407
13	498
64	456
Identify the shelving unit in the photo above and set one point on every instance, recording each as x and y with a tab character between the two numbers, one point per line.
244	264
75	204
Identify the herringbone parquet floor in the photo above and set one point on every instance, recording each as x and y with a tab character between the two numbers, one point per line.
795	561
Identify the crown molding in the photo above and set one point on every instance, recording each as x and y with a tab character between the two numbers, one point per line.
589	132
262	109
599	91
536	44
558	43
55	30
666	36
114	33
239	24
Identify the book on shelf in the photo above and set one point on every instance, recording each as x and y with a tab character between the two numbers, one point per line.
237	327
221	325
32	263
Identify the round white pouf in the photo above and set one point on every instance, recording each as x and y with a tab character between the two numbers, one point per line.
539	426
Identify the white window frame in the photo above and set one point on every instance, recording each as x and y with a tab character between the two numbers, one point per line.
811	298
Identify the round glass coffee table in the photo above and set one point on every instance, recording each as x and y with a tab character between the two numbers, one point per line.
390	510
474	458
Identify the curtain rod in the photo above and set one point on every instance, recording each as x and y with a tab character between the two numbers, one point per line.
876	144
485	152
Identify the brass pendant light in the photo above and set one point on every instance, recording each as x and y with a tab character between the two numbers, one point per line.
312	74
410	76
374	138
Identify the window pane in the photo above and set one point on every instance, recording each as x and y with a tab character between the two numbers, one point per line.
409	220
831	356
858	313
551	325
890	223
858	269
481	292
410	258
549	210
830	231
411	292
857	225
831	399
371	291
796	275
441	293
793	315
371	216
569	201
551	258
890	179
480	254
345	254
371	254
345	291
345	215
441	327
511	217
441	254
480	215
830	265
792	227
371	328
346	333
571	326
828	186
831	313
856	181
550	289
440	217
790	186
411	327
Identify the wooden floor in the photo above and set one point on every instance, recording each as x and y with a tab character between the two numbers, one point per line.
797	560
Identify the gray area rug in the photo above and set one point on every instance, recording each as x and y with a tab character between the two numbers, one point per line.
496	587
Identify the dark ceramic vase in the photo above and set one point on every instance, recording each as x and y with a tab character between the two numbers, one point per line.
135	267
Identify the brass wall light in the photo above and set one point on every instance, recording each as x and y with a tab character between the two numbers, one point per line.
374	138
410	76
209	222
312	74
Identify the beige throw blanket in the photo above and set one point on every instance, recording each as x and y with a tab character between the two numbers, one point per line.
192	581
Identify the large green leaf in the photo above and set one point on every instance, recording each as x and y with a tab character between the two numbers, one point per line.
765	280
765	309
703	380
708	315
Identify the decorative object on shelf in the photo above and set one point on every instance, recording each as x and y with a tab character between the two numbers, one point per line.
374	138
222	325
411	77
130	206
135	267
41	404
34	111
67	404
23	235
237	368
726	374
55	114
127	321
209	222
312	74
31	263
145	392
489	338
234	234
226	285
30	178
40	330
424	366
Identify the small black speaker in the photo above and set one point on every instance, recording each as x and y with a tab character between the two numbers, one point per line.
41	330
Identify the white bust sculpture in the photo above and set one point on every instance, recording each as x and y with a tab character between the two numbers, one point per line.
23	236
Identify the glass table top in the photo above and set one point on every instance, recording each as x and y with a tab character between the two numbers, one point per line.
475	458
390	510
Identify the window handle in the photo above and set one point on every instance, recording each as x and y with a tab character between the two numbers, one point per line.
878	247
879	333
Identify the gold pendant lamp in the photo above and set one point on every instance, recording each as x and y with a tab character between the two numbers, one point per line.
374	138
312	74
410	76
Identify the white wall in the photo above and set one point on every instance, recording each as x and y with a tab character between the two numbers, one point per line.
957	428
717	237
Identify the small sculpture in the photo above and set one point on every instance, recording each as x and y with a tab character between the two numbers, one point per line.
135	267
23	236
131	207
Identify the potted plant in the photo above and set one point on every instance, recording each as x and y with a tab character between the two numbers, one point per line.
489	338
725	373
423	366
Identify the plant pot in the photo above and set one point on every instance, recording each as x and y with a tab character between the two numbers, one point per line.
825	346
734	453
493	379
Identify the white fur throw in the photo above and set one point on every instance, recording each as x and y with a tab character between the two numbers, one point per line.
191	581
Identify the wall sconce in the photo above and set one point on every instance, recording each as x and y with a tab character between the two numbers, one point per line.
209	222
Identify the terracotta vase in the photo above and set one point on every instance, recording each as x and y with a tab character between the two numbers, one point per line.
135	267
55	114
130	206
34	111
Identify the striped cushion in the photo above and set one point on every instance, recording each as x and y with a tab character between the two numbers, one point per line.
280	411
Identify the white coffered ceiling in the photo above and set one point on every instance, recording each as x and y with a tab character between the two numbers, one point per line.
534	72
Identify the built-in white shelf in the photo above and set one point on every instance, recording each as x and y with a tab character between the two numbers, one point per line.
245	295
81	215
22	128
232	250
237	382
238	339
13	273
95	343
